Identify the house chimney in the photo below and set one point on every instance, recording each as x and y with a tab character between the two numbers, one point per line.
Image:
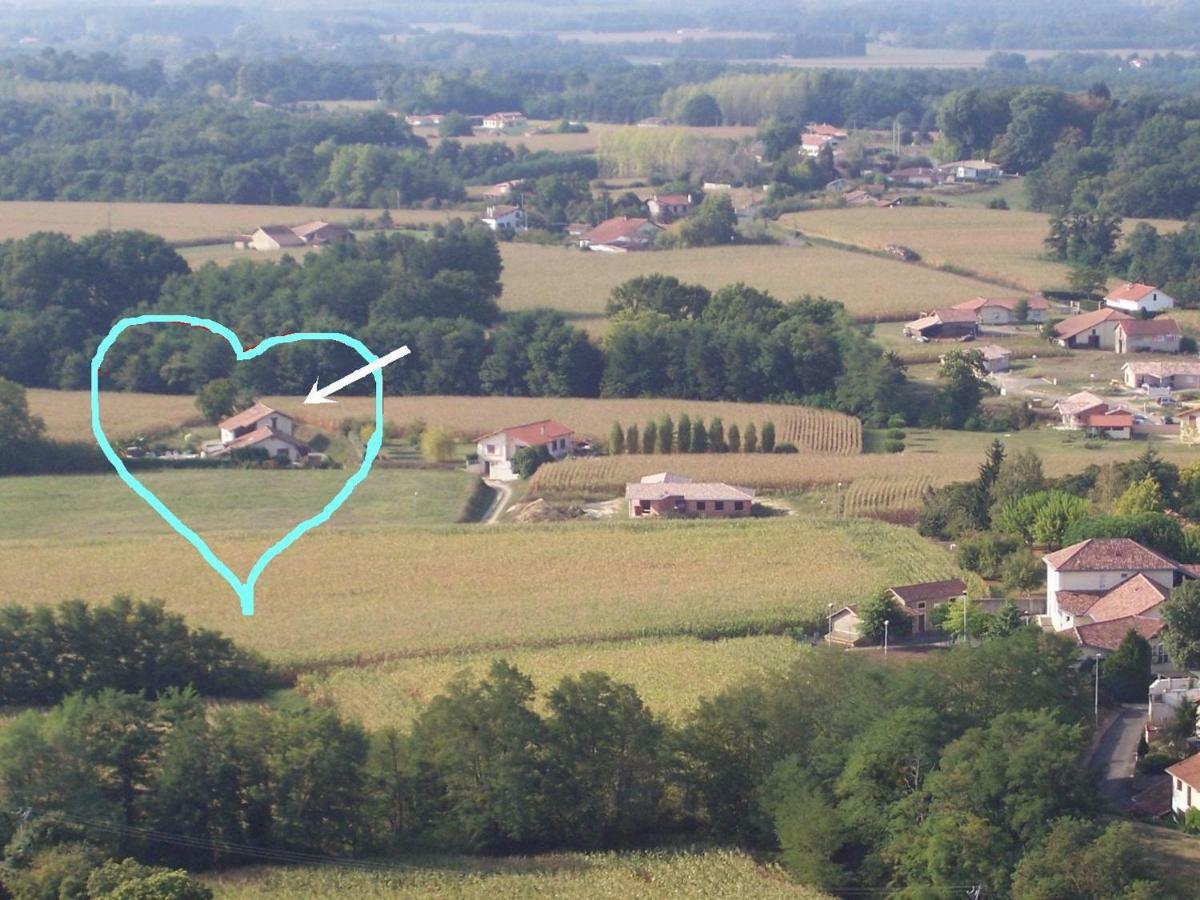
543	429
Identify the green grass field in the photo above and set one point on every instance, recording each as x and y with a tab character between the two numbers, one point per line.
671	674
663	875
579	283
392	591
239	501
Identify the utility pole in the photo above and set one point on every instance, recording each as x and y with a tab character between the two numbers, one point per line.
885	636
1096	695
829	633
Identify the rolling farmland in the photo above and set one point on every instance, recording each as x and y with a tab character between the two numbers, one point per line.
1003	246
67	415
578	283
183	223
671	674
369	593
886	498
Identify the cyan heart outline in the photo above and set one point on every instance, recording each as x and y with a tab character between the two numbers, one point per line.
243	589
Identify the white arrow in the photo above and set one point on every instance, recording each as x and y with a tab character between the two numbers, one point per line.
321	395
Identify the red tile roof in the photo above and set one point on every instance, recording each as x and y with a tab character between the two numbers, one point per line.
618	229
1109	420
533	433
262	433
1132	597
672	199
1133	291
930	590
827	130
1068	328
1077	603
1107	555
1108	635
1163	325
1187	771
248	417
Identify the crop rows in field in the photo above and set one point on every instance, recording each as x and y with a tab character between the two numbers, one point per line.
765	471
817	430
886	497
821	431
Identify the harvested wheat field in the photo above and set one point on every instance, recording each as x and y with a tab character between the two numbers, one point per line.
1005	246
371	593
578	283
183	223
67	415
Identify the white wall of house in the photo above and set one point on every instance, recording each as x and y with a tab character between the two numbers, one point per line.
276	421
1183	796
1090	581
1168	694
1155	301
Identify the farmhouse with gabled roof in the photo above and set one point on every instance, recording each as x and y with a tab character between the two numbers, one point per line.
496	449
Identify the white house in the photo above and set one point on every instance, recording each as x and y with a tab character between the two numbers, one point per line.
1185	785
263	428
1134	297
1003	310
813	144
1103	580
501	120
972	170
504	218
666	208
1096	330
272	237
497	448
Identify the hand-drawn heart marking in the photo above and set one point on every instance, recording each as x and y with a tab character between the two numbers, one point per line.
243	589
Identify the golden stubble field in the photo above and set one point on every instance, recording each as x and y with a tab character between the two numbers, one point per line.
352	594
1001	245
67	415
578	283
183	222
576	143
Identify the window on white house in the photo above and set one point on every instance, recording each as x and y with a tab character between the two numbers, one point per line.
491	448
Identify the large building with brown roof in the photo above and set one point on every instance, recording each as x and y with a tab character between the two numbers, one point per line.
919	600
1096	330
1004	310
620	235
668	494
1160	335
1108	580
1171	374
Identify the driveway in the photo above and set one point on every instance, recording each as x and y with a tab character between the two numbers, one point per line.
503	494
1116	755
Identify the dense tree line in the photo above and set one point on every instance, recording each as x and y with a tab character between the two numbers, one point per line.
855	774
438	295
670	339
47	653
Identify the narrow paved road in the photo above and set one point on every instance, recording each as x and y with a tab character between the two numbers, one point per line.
503	494
1116	755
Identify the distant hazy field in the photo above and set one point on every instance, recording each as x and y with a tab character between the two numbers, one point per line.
579	283
180	222
575	143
